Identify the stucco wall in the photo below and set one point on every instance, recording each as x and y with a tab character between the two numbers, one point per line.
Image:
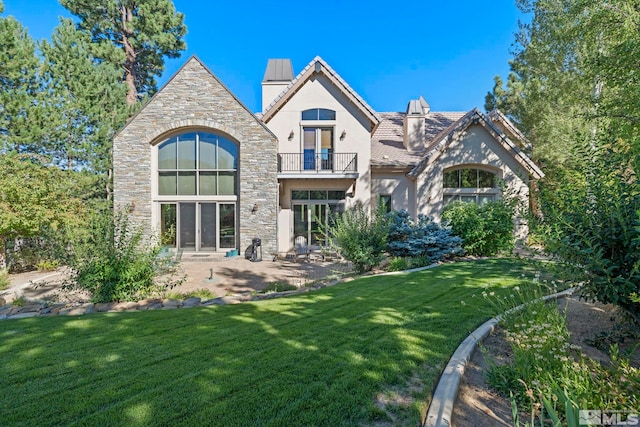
195	99
476	148
401	189
318	92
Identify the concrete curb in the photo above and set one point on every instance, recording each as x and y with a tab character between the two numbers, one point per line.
440	410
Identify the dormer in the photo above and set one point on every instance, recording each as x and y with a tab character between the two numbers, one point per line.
414	125
278	75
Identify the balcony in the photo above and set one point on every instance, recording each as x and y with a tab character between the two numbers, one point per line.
317	165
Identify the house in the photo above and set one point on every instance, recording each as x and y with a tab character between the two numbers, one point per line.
197	165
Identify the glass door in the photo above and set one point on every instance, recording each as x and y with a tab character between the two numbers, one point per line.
309	221
204	227
301	221
187	226
208	229
317	225
227	225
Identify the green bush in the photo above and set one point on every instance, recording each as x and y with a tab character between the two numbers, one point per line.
360	238
594	225
398	264
485	230
117	261
279	287
4	279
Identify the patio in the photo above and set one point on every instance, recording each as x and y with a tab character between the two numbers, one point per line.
221	275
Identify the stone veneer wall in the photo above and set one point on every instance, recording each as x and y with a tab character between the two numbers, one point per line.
195	98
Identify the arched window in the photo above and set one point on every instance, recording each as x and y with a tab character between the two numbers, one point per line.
318	114
469	185
197	164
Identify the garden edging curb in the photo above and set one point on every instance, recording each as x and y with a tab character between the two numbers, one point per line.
440	410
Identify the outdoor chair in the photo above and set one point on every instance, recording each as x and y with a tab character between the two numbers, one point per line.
301	248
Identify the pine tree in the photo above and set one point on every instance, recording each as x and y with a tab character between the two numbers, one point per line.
86	100
145	31
21	112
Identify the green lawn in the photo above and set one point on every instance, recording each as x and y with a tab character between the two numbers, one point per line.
322	358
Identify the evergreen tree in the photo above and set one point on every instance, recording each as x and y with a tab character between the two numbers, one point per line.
21	112
145	31
86	100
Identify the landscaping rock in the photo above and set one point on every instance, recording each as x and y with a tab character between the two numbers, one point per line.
104	306
31	308
145	304
3	302
151	306
171	303
215	301
231	300
24	315
125	306
191	302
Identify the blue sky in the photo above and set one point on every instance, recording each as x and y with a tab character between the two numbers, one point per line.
388	52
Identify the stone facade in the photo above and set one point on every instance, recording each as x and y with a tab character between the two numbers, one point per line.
194	99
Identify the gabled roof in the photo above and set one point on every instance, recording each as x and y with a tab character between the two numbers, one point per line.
193	58
455	132
318	65
496	116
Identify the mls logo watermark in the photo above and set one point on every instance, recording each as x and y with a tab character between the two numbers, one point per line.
592	417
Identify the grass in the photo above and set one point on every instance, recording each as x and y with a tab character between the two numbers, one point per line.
358	353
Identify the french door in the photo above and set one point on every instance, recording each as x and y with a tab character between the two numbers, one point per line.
310	221
199	226
318	148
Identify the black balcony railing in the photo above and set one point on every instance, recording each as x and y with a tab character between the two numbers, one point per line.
338	163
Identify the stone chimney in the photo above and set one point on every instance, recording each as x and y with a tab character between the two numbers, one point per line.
414	125
277	77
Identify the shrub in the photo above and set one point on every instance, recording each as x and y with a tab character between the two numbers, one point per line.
398	264
594	225
4	279
116	261
485	230
360	238
47	265
421	239
279	287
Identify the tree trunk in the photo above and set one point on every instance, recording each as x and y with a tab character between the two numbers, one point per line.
130	56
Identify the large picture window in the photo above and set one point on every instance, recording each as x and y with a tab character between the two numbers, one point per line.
197	163
472	185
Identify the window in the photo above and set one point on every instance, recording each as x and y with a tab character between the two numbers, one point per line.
385	199
318	195
318	114
469	178
197	163
471	185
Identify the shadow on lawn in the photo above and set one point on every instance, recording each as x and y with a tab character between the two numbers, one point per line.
360	353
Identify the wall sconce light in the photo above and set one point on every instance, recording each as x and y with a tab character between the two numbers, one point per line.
132	207
254	209
343	135
290	135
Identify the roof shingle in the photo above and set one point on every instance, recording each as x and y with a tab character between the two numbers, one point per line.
387	147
